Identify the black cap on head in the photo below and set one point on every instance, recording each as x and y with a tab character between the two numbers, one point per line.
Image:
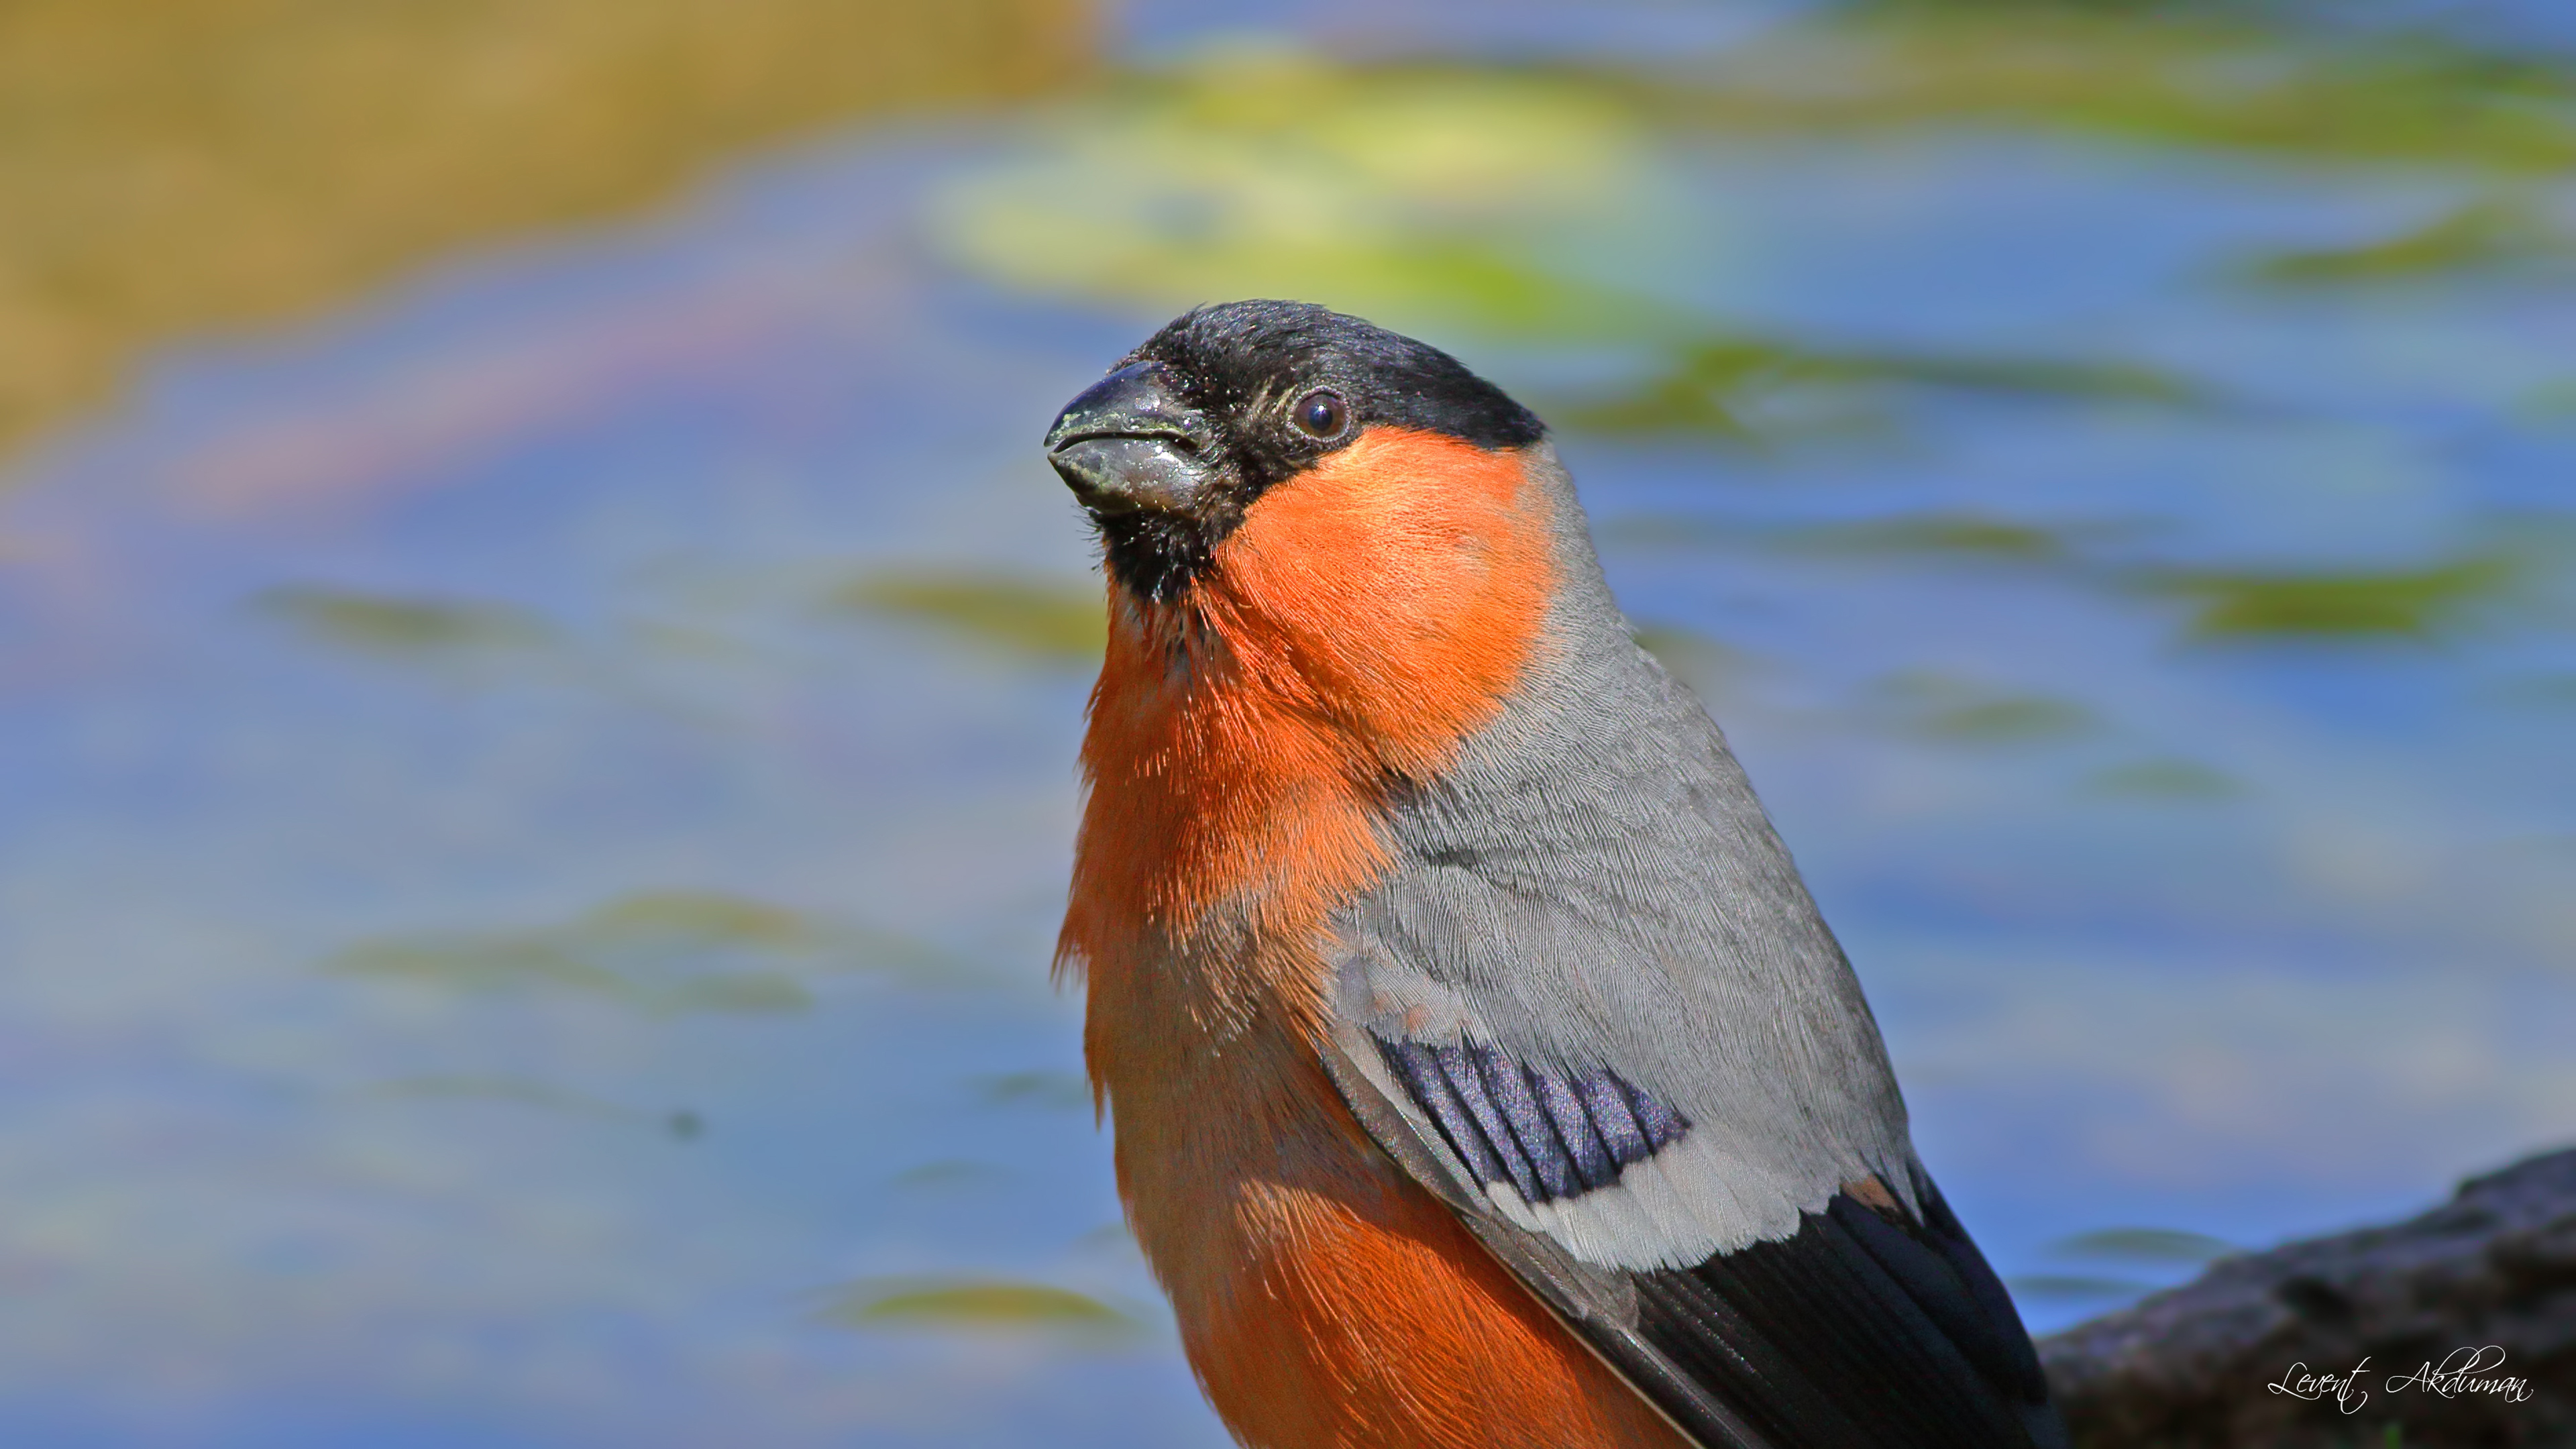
1227	401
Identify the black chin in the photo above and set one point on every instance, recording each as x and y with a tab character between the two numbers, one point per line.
1153	555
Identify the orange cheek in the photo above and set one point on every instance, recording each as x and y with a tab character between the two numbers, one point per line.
1402	581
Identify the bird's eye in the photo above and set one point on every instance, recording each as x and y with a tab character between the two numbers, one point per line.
1321	414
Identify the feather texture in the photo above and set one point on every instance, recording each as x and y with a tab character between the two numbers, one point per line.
1547	1134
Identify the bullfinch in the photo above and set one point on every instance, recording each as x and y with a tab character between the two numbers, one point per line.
1481	1072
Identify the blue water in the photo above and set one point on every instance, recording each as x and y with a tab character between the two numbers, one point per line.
515	933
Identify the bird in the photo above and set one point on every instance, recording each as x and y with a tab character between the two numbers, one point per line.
1479	1069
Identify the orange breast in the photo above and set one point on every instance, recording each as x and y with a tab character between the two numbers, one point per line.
1361	622
1372	1318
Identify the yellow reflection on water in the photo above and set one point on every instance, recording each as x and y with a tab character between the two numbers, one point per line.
662	952
1050	622
1408	194
976	1306
169	166
2166	74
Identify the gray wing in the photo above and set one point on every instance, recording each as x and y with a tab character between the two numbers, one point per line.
1592	887
1593	1007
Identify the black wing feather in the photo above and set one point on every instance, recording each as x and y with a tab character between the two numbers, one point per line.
1878	1338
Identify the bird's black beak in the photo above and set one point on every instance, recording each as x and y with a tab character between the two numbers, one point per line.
1129	444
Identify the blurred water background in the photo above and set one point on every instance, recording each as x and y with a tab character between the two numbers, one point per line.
540	664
